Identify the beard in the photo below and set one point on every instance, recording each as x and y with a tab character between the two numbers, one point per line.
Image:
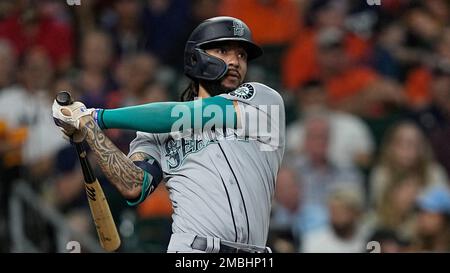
344	230
216	87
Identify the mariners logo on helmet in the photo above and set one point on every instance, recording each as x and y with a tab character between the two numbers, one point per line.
238	28
245	91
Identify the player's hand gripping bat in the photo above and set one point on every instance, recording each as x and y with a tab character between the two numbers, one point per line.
104	222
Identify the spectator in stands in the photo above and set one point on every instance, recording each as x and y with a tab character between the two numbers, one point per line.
439	9
165	25
300	63
435	118
420	81
344	232
423	28
11	140
26	105
31	25
353	88
31	138
396	210
10	137
273	22
433	226
96	80
134	74
385	241
391	55
8	64
405	153
284	232
275	25
351	144
123	24
318	174
156	92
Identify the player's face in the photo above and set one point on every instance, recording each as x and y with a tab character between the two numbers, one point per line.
235	56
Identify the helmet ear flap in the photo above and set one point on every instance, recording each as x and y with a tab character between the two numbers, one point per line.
203	66
193	60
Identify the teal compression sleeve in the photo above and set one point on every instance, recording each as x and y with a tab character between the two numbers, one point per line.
165	117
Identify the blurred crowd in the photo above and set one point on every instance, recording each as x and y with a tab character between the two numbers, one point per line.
367	94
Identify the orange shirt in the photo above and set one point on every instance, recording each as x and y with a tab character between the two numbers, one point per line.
349	83
12	141
417	86
275	23
300	65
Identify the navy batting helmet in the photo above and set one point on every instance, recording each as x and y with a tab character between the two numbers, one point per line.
200	65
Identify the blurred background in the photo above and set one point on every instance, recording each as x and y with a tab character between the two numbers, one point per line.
367	91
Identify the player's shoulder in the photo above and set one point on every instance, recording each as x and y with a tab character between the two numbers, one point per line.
250	90
257	87
152	137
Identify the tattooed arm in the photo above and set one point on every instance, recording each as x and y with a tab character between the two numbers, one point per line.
118	168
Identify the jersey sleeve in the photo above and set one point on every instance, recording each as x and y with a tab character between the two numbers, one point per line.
260	114
146	143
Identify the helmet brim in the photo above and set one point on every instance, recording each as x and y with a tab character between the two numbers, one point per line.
253	50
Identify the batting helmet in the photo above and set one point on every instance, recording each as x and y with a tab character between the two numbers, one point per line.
200	65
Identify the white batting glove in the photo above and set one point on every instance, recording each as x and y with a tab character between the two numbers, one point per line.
67	117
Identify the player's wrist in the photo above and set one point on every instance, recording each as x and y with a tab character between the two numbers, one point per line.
79	135
97	115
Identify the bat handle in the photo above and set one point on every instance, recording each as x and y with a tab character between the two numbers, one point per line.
64	98
88	174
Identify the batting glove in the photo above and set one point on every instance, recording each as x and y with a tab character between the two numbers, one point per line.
67	117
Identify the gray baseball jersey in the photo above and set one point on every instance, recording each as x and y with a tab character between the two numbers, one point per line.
222	185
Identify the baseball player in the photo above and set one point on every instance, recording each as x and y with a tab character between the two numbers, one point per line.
218	150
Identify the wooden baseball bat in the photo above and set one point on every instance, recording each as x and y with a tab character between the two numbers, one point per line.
104	222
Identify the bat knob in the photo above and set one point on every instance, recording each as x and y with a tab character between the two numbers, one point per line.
64	98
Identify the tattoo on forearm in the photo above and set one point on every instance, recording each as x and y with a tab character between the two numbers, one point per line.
120	170
139	156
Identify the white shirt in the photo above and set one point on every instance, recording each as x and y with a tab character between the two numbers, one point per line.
20	108
349	137
326	241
